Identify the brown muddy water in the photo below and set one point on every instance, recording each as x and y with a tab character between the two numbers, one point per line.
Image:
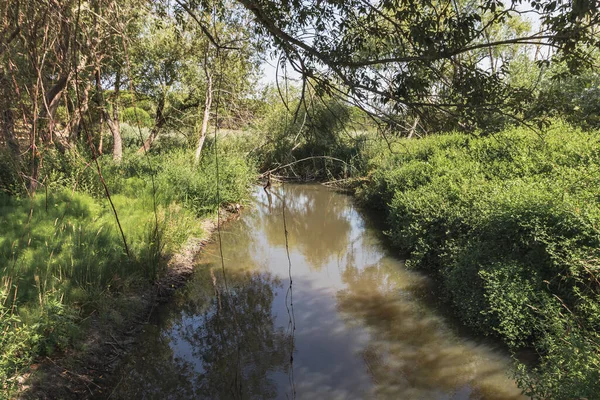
340	319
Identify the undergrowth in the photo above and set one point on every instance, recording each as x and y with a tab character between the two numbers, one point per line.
322	143
61	251
509	225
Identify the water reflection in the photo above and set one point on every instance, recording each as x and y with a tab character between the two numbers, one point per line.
318	226
412	355
359	327
221	345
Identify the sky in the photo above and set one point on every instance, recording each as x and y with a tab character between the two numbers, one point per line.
269	70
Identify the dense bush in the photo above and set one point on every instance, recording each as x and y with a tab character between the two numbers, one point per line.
133	135
321	132
10	181
509	225
133	116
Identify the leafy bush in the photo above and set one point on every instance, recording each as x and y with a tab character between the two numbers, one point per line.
509	226
9	173
130	134
180	180
132	116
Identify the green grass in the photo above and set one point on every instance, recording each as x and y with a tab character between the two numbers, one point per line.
61	252
509	225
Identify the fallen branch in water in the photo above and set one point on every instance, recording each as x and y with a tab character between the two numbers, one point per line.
302	160
345	181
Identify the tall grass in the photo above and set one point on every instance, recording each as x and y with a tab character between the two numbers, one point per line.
181	181
61	251
509	224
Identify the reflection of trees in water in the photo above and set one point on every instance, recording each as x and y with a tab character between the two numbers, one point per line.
317	222
156	373
412	353
238	344
233	340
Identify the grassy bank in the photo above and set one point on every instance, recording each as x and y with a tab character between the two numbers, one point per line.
62	256
509	225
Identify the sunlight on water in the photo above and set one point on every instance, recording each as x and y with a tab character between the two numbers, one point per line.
354	324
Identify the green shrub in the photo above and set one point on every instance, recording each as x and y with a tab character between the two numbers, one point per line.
180	180
133	116
509	225
9	173
130	134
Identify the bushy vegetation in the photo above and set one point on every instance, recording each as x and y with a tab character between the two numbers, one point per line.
61	251
9	173
509	225
133	116
323	133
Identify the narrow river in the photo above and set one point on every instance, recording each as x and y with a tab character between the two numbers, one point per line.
339	319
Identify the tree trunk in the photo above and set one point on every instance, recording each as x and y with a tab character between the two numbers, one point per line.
101	143
205	118
101	105
116	126
413	130
159	122
52	100
493	62
112	122
80	109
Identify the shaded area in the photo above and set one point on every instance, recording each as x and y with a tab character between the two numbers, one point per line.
221	345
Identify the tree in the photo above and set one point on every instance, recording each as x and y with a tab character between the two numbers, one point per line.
396	53
54	60
178	66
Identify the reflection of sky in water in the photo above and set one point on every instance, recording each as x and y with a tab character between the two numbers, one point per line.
361	330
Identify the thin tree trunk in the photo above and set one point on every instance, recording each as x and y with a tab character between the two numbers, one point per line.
8	121
116	126
493	62
413	130
80	110
159	122
112	122
53	97
100	103
101	142
205	118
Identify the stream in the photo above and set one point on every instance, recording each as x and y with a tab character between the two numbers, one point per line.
340	318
